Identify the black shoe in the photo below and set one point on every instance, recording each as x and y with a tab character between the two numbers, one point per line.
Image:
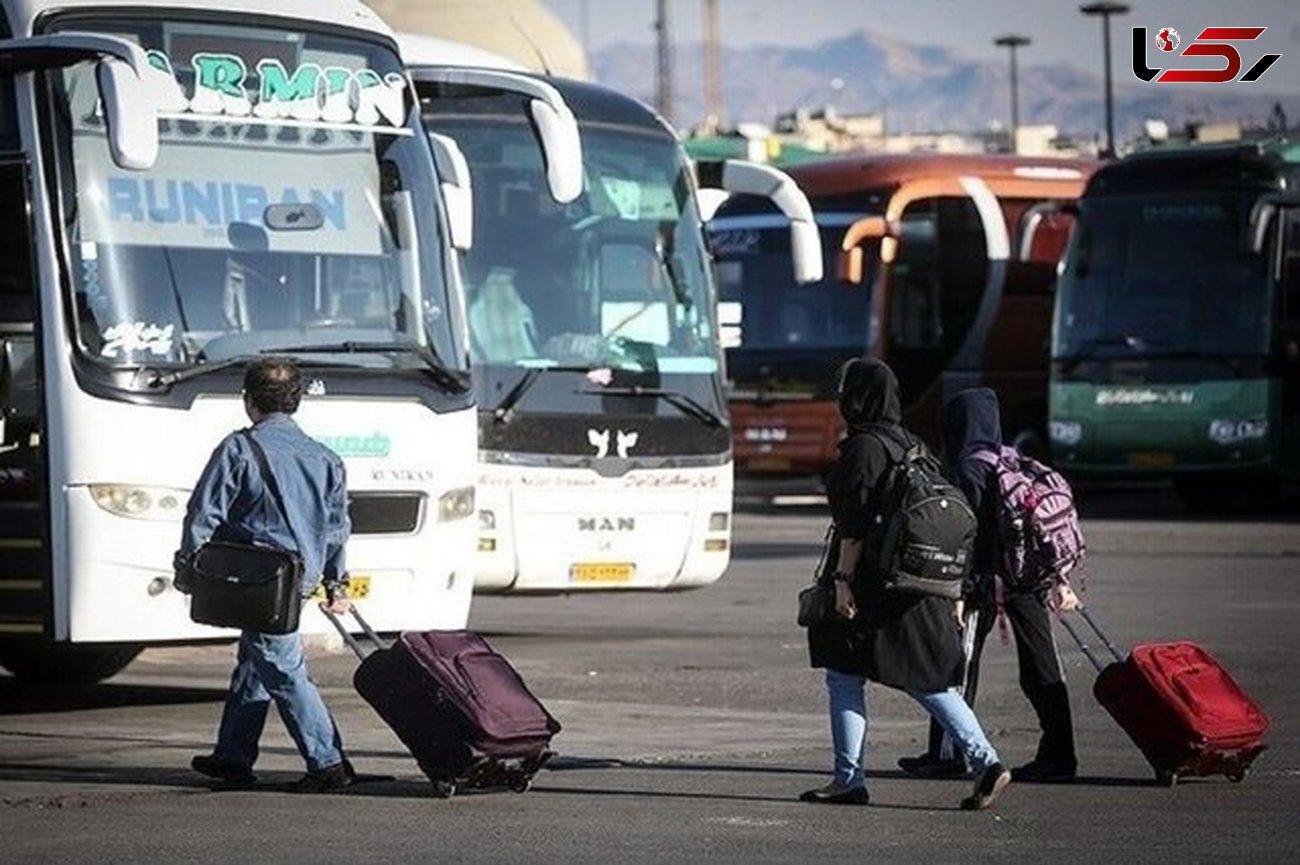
208	764
832	794
988	786
328	780
1046	771
927	766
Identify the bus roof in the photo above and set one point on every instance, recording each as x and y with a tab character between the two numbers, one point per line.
21	15
845	174
1164	170
420	50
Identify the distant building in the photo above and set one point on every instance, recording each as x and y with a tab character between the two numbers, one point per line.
828	131
524	31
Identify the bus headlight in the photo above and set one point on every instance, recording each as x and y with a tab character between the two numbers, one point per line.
1226	432
1065	432
140	503
719	521
456	504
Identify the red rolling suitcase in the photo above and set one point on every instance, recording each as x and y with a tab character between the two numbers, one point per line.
459	707
1179	706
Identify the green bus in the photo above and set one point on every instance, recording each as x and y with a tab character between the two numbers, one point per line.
1176	339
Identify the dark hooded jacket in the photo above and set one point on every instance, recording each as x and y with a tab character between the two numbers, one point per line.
969	423
901	640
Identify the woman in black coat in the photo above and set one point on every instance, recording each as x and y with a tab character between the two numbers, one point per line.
906	641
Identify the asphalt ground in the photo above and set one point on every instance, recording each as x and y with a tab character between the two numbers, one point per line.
691	723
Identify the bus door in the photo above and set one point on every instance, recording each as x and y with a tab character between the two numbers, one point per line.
24	558
943	260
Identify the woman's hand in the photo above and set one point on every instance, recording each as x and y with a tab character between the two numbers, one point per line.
845	604
1062	599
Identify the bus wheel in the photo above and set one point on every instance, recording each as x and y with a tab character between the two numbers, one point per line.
1203	496
57	663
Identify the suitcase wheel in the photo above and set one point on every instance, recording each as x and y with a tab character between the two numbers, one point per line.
1165	778
521	785
1238	774
444	789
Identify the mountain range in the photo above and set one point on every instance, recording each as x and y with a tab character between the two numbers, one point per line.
926	88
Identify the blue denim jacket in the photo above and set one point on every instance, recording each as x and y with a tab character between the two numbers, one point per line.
230	501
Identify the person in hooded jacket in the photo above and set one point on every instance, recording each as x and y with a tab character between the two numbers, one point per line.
969	423
906	641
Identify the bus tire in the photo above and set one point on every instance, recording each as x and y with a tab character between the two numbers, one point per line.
60	663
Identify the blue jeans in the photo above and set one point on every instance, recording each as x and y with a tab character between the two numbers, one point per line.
272	667
847	695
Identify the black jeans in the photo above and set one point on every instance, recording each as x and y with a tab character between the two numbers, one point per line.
1041	677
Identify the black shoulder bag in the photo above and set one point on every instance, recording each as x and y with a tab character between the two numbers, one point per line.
246	586
817	602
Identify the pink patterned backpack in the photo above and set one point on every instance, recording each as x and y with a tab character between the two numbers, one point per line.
1038	524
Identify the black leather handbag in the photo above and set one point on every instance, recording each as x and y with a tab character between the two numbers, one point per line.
817	602
253	588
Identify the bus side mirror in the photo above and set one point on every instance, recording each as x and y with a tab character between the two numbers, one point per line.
457	191
1267	209
130	109
562	147
1261	217
850	268
750	178
130	114
553	120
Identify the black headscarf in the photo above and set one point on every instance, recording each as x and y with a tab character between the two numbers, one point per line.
869	394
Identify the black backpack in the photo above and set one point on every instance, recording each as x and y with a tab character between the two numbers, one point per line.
923	533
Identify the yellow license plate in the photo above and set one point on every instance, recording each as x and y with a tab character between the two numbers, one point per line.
601	572
1151	458
358	587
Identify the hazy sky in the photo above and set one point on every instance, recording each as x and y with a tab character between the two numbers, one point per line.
1059	32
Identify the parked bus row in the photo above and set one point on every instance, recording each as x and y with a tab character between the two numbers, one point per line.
189	185
946	266
1174	326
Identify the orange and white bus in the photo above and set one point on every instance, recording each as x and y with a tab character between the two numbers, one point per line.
947	265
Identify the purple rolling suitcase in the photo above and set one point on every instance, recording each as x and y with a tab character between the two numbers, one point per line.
459	707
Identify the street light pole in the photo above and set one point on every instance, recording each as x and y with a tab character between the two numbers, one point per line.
1013	41
1105	10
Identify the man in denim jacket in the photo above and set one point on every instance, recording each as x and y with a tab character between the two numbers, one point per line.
231	502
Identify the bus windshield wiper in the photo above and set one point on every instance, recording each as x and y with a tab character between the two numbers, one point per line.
450	380
167	379
678	400
504	410
1089	347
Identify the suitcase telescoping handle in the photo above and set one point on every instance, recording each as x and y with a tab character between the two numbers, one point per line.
352	641
1083	644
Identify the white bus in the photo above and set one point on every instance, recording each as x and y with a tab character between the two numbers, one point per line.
604	446
185	185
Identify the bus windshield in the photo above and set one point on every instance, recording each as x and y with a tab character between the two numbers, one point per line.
290	206
617	278
761	307
1162	275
